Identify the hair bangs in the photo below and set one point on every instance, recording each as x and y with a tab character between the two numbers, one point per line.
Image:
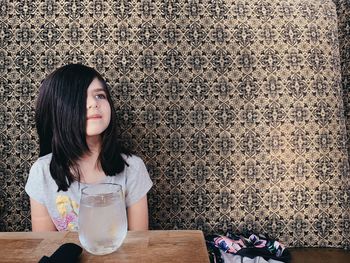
69	107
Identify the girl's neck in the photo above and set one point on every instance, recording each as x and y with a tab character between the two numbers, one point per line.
94	143
90	168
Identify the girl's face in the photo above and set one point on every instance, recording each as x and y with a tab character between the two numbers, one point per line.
98	113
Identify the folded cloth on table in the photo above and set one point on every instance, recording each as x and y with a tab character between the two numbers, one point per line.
246	245
230	258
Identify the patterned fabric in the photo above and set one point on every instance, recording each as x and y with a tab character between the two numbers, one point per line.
68	211
246	245
235	106
343	10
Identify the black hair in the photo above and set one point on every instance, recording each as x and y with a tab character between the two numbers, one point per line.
60	118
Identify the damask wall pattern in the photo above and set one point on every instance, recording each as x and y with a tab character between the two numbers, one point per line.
343	10
235	106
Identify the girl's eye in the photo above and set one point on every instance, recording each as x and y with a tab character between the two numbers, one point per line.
100	96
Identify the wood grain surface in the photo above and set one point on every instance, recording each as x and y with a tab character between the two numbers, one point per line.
139	246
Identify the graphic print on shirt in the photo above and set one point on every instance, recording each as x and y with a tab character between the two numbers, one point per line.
68	211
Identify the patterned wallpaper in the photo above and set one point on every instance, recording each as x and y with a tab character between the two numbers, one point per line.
235	106
343	11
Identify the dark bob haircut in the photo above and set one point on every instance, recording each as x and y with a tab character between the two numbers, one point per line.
60	118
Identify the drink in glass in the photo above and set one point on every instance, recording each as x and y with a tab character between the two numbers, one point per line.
102	218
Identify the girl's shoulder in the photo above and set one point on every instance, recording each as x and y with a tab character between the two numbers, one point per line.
43	161
40	179
132	160
135	166
131	157
45	158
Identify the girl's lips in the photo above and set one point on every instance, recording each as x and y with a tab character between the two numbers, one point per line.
96	116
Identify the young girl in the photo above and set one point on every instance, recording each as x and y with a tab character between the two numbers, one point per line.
76	124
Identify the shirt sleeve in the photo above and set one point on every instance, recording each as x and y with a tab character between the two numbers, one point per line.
34	186
138	182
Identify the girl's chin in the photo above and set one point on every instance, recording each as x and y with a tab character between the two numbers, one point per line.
94	132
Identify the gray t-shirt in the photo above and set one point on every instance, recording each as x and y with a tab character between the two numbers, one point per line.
63	207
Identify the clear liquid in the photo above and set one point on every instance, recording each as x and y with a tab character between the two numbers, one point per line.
102	229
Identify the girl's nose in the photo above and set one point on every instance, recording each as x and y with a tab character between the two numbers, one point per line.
91	103
92	106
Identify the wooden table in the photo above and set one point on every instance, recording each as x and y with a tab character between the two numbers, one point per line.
168	246
319	255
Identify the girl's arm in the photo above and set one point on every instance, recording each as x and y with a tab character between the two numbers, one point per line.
41	220
138	215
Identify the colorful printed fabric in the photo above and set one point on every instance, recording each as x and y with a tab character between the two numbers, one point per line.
246	245
68	210
228	245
